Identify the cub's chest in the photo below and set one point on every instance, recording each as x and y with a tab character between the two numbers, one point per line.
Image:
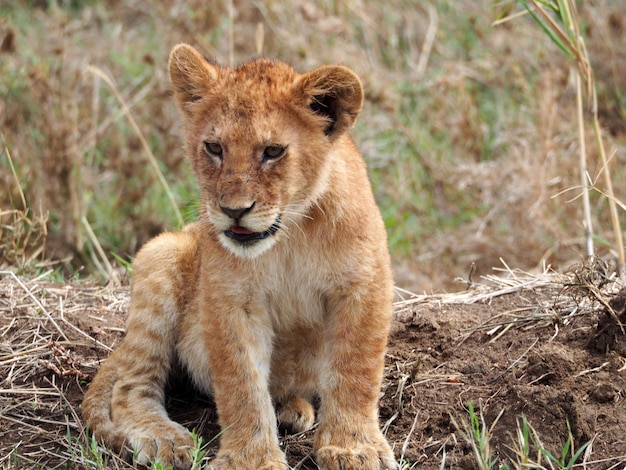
296	298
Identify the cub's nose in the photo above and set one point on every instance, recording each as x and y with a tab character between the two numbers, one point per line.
236	213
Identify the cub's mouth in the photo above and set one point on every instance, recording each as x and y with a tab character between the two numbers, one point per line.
243	235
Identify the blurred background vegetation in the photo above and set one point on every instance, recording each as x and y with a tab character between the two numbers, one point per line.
469	129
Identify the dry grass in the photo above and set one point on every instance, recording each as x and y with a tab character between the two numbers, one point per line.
561	297
55	335
22	233
46	354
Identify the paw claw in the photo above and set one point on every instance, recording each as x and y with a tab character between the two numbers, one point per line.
360	457
171	447
232	461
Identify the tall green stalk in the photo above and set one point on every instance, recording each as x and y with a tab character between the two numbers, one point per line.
559	20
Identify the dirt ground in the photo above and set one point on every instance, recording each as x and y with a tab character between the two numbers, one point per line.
547	347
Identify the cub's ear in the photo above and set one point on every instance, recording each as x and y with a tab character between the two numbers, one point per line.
191	74
334	92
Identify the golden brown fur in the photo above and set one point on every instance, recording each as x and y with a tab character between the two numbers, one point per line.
281	292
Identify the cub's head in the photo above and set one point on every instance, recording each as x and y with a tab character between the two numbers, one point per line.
261	139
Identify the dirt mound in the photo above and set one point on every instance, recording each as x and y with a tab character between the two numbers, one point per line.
543	371
524	347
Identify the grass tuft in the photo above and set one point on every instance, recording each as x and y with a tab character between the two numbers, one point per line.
476	433
528	450
23	233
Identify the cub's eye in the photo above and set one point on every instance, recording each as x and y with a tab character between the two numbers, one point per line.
214	149
273	152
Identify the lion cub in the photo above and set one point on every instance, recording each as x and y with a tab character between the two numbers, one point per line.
279	294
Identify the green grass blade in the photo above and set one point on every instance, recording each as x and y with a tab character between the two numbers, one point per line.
577	455
549	31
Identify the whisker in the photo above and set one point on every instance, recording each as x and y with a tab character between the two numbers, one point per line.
299	214
290	210
284	231
295	224
319	207
296	209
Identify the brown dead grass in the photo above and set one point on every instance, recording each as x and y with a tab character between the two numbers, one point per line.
54	336
53	339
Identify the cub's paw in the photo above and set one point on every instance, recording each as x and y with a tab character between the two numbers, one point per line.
216	465
360	457
170	445
238	461
296	415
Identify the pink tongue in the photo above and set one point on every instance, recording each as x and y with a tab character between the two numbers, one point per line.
240	230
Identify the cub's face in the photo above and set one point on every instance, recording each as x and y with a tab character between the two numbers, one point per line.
261	141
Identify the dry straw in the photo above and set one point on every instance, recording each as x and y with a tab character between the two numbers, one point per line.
55	335
144	143
584	289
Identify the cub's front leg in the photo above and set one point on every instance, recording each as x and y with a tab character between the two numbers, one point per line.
124	405
238	340
349	437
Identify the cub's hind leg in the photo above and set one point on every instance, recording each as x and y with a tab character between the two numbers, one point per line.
296	414
164	274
